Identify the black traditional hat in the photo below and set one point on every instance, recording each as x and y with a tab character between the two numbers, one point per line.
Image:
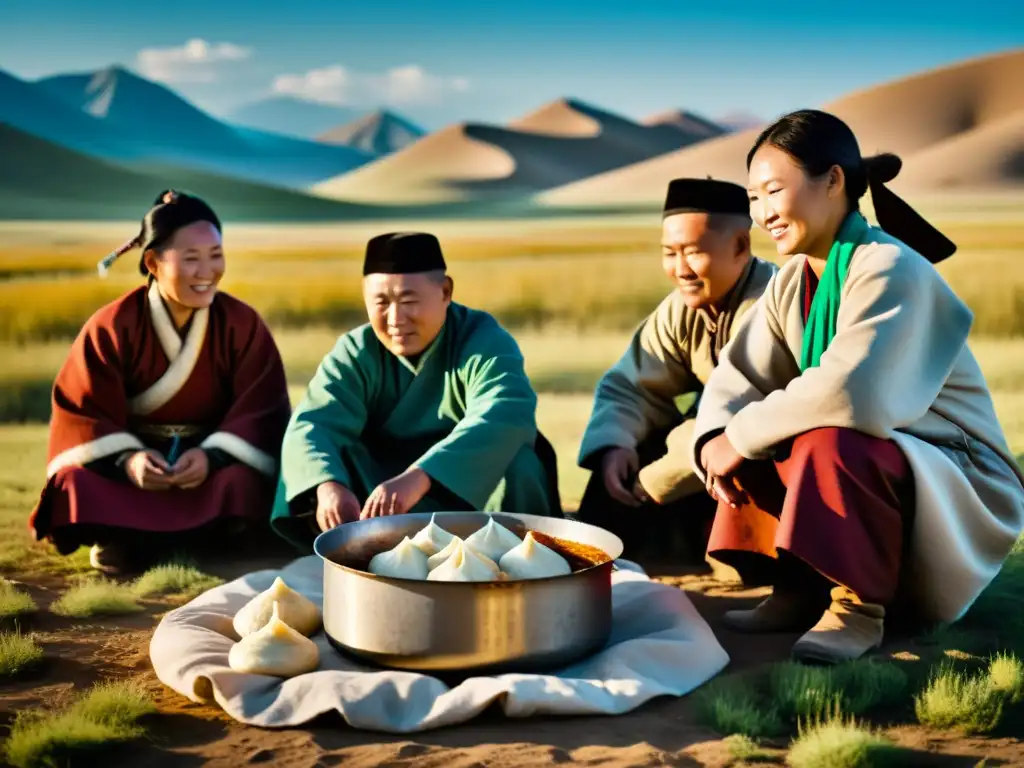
398	253
705	196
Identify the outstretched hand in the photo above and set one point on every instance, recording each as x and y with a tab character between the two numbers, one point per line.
335	504
397	495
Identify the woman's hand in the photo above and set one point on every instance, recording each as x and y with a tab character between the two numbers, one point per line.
191	469
149	471
721	461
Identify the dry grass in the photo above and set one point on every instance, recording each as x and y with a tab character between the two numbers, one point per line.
586	274
107	714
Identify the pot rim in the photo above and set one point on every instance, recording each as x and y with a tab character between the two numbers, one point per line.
318	550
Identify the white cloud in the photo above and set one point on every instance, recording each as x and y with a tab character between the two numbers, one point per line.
197	61
399	86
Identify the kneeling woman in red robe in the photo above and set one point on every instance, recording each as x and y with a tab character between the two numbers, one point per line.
848	431
168	414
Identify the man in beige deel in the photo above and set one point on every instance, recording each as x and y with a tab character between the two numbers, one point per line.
636	443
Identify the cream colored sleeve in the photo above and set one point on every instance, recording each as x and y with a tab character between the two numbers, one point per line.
900	331
637	395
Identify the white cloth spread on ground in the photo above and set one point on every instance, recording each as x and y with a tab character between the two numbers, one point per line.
660	645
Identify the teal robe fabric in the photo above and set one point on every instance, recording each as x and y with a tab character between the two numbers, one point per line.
464	413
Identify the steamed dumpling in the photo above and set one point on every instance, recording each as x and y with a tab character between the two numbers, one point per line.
432	538
276	650
406	561
465	565
297	611
436	559
532	560
493	540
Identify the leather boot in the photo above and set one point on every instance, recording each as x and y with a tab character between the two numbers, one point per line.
846	631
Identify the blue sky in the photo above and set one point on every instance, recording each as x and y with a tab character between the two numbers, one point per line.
443	60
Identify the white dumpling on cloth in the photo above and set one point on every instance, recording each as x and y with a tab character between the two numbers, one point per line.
533	560
296	610
493	540
276	650
405	561
432	538
464	564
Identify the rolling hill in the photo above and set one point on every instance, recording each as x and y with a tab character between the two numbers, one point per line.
141	121
41	180
380	133
561	142
910	116
988	157
691	124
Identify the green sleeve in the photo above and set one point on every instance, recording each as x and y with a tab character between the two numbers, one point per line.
332	415
500	418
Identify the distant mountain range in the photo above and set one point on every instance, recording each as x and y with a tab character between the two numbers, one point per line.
293	116
116	115
380	132
101	144
561	142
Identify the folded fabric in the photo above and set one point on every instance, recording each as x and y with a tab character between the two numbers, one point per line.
659	645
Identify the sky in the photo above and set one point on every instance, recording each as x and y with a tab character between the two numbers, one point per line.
447	60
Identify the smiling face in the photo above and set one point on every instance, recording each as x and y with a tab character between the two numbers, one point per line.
407	311
801	214
190	267
704	254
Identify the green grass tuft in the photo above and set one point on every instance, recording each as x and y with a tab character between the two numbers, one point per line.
799	691
107	714
179	579
1006	672
17	653
96	597
732	706
13	601
746	749
833	742
959	700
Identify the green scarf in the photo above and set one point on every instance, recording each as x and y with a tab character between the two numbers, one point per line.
824	314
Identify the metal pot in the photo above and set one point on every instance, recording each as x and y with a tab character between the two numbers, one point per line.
475	627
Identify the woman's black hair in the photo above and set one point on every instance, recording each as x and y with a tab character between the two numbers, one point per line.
170	212
818	141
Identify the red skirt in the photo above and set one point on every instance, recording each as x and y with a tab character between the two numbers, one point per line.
836	499
78	502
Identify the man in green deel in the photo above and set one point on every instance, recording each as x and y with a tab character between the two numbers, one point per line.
427	407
